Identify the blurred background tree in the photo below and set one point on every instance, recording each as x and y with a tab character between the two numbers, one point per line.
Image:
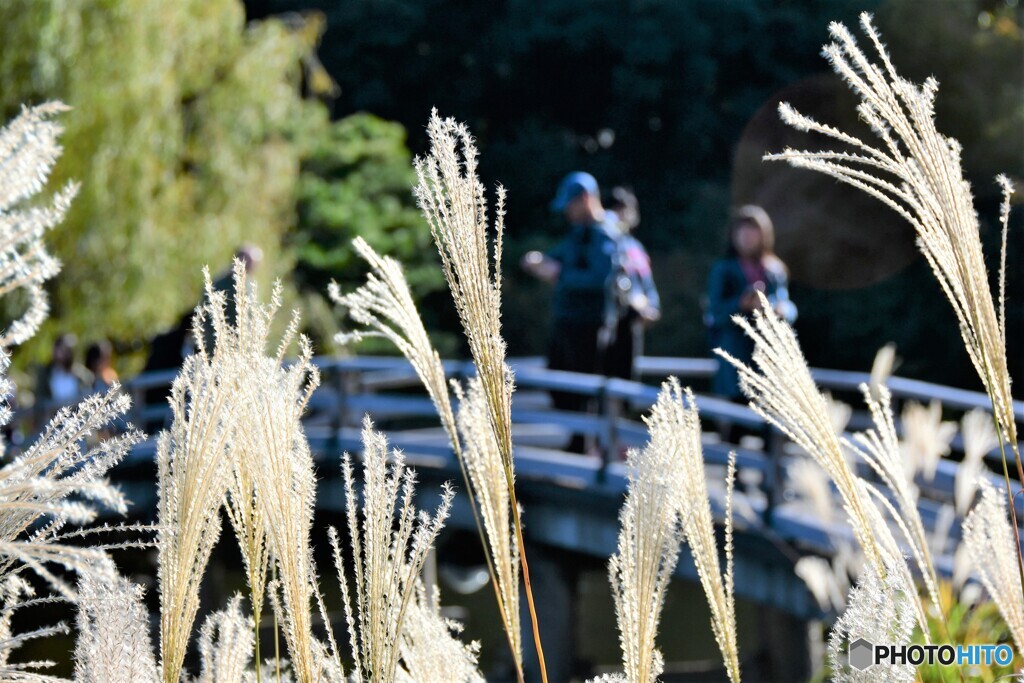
356	179
179	135
193	131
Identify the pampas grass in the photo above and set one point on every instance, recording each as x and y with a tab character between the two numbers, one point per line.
916	171
453	201
113	643
28	151
269	446
385	306
225	645
484	465
15	594
192	481
675	427
385	562
979	438
880	449
430	649
992	548
880	609
650	533
782	391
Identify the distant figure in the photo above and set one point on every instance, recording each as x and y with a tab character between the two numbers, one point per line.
99	362
750	266
582	268
638	303
251	257
62	380
168	349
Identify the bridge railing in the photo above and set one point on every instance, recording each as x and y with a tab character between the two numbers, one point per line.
387	388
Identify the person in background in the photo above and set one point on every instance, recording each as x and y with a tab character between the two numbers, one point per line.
62	380
582	268
638	303
99	361
750	266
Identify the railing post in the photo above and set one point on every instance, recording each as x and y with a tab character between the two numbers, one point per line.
774	481
341	413
611	409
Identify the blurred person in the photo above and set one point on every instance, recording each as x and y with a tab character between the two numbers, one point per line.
750	266
639	305
62	380
582	268
99	357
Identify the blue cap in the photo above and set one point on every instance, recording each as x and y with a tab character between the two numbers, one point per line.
571	187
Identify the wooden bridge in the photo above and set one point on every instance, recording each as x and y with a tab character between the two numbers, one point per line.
572	502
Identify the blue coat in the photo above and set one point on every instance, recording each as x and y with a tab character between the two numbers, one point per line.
584	293
726	286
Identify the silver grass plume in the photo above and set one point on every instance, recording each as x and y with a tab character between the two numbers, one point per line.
225	645
246	516
15	594
650	534
979	438
487	474
916	171
430	648
880	610
992	548
926	438
28	151
882	367
880	449
193	474
384	305
454	204
782	391
113	633
386	560
268	448
822	580
811	484
674	426
59	480
452	198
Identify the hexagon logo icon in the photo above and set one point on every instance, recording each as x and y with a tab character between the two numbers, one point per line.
861	654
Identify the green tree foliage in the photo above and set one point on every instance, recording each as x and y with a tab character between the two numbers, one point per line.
356	179
180	135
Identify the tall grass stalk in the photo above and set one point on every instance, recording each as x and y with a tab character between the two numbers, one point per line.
991	546
916	171
453	201
384	305
269	445
782	391
484	466
386	561
192	481
28	151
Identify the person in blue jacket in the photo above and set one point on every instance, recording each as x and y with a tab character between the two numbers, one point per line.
582	268
750	266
